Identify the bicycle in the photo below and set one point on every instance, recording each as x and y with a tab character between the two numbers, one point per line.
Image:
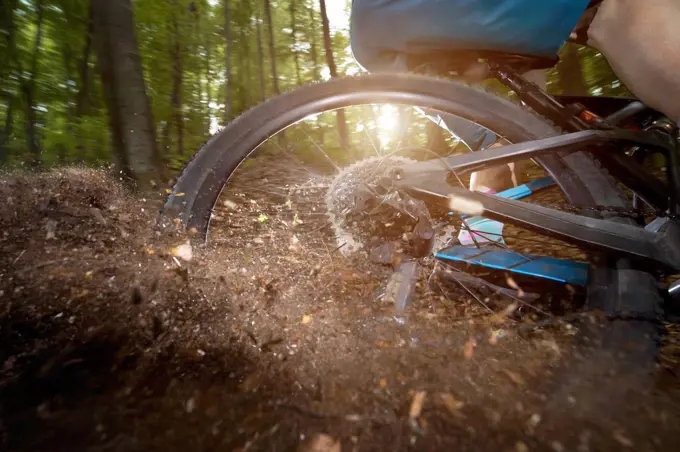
586	145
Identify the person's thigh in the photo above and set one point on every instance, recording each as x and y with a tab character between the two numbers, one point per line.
383	32
641	41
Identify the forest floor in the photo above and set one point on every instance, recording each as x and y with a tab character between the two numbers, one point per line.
111	341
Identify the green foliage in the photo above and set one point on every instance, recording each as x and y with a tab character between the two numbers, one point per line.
183	50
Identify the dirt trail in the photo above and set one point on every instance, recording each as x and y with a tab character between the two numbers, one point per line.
267	339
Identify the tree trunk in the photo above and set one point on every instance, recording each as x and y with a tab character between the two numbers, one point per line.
330	60
84	72
228	106
244	62
177	78
6	132
7	24
316	71
75	115
131	121
8	34
198	46
260	56
571	72
296	55
208	82
314	49
272	49
28	89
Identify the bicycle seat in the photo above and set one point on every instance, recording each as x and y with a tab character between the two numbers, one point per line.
447	62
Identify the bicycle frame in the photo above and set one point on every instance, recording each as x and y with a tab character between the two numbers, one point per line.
658	243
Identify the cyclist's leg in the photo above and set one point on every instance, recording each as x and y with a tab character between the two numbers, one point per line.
501	177
641	41
477	138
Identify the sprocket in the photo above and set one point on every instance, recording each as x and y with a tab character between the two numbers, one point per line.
354	189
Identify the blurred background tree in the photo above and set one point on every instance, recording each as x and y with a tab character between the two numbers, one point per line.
178	70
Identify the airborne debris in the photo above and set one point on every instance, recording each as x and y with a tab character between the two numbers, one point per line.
516	378
521	447
383	254
320	443
417	405
469	348
501	317
533	422
97	214
451	403
230	204
620	438
495	335
183	251
190	405
512	283
51	229
294	244
402	285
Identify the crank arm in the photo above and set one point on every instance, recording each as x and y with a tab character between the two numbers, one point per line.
662	248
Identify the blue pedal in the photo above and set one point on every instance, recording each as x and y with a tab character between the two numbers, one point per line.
527	189
560	270
481	230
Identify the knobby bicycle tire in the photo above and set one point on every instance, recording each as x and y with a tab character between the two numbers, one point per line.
579	175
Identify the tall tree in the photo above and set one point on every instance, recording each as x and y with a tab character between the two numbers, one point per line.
84	69
6	132
330	60
260	57
177	58
293	33
313	44
8	28
120	67
272	47
228	106
245	73
28	88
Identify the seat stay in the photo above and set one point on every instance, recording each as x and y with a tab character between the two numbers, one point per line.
431	175
571	142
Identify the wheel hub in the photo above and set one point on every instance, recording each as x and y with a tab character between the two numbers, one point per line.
362	211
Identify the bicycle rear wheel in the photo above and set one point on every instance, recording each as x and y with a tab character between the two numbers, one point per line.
579	177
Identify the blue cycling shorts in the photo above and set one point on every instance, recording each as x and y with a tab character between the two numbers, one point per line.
384	31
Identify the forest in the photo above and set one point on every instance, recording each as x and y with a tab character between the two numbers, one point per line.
73	70
122	330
